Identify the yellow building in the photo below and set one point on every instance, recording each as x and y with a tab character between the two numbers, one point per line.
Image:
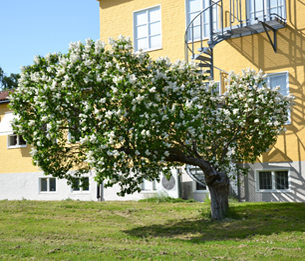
220	36
20	179
224	36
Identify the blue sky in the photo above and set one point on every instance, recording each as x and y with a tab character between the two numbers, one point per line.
38	27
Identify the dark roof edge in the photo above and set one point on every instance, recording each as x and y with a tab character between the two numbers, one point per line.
4	101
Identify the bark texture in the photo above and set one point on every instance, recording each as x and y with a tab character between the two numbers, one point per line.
218	184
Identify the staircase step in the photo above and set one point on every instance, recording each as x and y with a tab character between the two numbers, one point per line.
212	44
203	71
205	50
227	33
202	58
204	65
217	37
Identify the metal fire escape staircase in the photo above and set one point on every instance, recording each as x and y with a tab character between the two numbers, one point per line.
216	23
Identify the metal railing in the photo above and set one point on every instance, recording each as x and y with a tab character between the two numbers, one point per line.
265	10
242	13
191	37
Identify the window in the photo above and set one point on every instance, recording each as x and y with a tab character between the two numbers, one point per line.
197	174
264	9
200	187
279	79
148	185
47	184
15	141
80	184
265	180
147	29
272	180
201	27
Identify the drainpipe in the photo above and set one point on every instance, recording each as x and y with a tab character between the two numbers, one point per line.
179	183
238	187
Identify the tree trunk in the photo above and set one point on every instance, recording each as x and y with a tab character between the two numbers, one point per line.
217	182
219	192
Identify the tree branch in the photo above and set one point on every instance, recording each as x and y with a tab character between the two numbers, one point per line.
195	149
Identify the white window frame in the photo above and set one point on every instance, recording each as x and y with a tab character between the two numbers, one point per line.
48	185
202	7
267	15
148	35
276	74
287	88
198	191
152	185
273	180
81	190
9	146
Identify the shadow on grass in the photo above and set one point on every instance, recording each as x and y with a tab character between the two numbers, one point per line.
247	220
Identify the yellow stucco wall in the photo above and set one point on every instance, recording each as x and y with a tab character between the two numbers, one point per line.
116	17
16	159
254	51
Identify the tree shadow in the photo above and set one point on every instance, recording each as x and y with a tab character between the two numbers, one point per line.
249	220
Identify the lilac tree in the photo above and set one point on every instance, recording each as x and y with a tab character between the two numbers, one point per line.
129	118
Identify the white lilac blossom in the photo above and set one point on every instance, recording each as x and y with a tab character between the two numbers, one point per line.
127	117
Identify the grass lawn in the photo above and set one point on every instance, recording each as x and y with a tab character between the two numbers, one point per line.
74	230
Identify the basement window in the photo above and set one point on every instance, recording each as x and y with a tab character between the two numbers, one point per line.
272	181
200	187
47	184
149	185
80	185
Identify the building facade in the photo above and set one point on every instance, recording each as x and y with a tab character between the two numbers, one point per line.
220	36
20	179
223	36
